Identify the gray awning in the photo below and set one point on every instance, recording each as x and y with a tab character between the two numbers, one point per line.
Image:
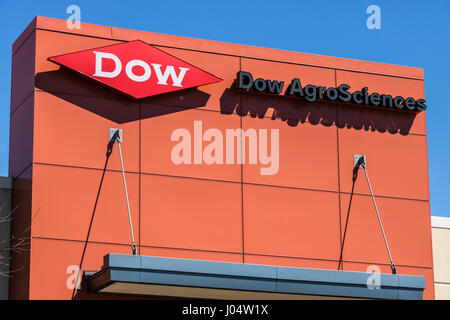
157	276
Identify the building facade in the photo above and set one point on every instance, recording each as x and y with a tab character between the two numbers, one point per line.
284	203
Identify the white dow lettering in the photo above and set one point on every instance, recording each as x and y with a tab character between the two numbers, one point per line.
162	76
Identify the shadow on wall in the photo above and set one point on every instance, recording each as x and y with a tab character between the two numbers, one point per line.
116	107
113	105
295	110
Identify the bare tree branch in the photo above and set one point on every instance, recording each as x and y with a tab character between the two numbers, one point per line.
16	244
8	218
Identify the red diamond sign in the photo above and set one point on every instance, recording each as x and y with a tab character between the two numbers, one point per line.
136	69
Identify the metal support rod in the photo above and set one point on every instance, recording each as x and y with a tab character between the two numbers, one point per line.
394	270
133	245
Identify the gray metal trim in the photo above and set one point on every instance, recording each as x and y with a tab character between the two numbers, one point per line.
333	276
251	277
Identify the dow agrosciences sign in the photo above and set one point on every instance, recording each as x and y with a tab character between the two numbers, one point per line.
140	70
312	93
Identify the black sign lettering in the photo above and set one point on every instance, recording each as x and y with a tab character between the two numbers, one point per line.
275	86
342	93
245	80
295	88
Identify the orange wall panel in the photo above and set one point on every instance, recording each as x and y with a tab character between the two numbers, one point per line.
291	222
307	155
291	262
67	134
406	224
191	254
191	214
396	164
64	198
160	122
51	261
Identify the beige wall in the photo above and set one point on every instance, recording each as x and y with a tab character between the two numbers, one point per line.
440	230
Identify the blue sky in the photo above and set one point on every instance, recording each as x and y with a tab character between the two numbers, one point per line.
413	33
